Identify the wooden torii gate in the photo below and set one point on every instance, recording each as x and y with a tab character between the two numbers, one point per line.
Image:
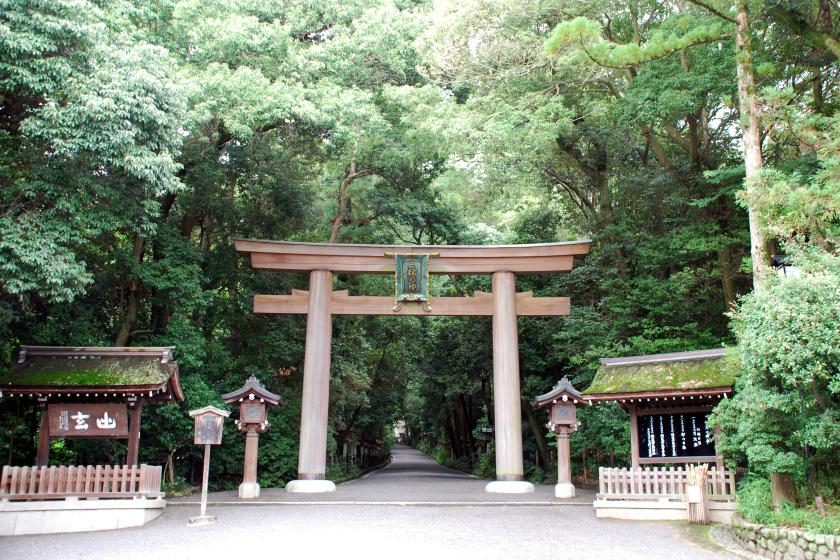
320	303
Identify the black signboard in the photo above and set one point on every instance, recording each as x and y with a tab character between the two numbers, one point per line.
675	435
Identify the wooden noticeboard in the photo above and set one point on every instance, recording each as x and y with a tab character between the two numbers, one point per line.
208	429
88	420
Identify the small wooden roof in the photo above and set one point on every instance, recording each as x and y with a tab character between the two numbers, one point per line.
209	409
94	373
253	387
677	376
563	390
450	259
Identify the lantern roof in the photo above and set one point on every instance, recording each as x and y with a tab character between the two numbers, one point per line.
94	372
563	388
254	387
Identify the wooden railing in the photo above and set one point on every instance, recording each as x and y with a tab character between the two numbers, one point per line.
49	483
661	483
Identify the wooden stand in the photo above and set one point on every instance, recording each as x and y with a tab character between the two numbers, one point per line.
204	519
208	431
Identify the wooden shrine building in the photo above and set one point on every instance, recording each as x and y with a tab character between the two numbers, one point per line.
92	392
669	397
411	266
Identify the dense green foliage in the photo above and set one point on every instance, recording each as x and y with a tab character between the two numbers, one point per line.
137	139
755	502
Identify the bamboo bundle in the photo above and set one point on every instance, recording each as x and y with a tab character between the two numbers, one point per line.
698	501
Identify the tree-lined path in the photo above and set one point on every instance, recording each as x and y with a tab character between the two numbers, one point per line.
344	530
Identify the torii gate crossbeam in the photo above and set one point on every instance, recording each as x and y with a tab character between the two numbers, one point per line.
320	302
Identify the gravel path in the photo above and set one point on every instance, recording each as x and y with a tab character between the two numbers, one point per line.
332	530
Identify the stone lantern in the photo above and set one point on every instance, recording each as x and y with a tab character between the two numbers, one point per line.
563	400
253	400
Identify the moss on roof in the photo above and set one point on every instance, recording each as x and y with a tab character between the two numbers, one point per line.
45	371
664	376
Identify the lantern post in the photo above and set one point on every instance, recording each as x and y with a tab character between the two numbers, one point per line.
563	401
253	400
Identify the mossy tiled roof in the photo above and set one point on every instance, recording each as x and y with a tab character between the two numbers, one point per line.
671	372
95	371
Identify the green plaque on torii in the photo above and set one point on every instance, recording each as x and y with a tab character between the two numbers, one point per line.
411	278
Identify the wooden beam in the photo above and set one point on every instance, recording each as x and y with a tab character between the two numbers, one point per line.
343	304
634	436
43	458
385	265
449	259
134	435
246	246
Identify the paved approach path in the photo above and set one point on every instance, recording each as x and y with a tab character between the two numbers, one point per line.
410	478
355	522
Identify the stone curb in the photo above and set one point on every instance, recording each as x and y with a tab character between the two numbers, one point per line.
725	538
384	503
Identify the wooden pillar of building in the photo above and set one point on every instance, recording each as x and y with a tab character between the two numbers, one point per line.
634	436
249	487
564	487
719	462
506	397
43	458
134	434
312	458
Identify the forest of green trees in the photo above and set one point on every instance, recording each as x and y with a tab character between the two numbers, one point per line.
691	141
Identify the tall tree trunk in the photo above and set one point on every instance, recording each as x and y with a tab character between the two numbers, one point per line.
343	202
726	277
783	489
751	135
132	304
539	435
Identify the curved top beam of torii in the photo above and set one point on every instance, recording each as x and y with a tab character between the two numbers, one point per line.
343	258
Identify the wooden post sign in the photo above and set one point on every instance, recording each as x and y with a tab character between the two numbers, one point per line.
209	422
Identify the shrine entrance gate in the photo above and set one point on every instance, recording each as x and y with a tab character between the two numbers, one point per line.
320	303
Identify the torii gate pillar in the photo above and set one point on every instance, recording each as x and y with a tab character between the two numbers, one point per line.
312	457
506	400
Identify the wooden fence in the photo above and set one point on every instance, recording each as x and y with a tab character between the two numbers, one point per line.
48	483
661	483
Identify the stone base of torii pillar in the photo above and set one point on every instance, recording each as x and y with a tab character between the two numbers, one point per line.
310	486
249	490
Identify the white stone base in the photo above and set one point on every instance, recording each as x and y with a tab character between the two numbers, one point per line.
310	486
509	487
201	520
646	510
566	490
249	490
74	516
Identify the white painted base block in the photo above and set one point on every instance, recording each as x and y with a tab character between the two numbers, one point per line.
74	516
249	490
509	487
564	490
310	486
647	510
201	520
